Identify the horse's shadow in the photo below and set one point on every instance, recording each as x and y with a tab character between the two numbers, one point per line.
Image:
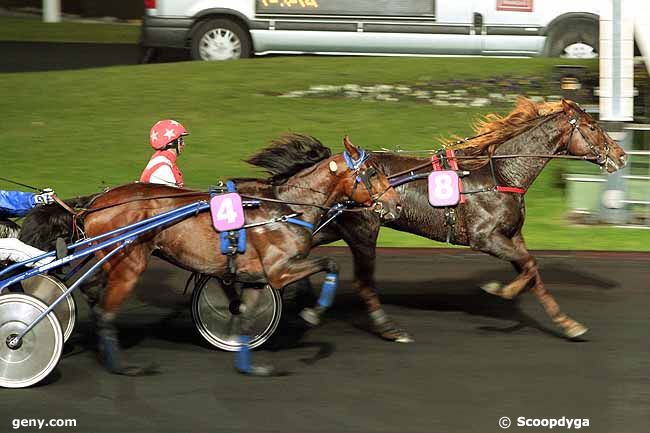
444	295
465	295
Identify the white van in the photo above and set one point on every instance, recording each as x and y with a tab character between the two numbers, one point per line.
232	29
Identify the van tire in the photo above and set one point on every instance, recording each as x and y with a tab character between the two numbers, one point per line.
216	26
565	35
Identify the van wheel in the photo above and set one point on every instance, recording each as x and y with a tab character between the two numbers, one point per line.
574	40
220	39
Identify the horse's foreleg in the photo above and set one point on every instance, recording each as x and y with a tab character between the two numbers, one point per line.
570	327
123	273
516	252
360	233
243	325
296	269
364	281
280	275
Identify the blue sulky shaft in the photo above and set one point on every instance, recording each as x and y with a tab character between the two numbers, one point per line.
149	223
14	342
132	230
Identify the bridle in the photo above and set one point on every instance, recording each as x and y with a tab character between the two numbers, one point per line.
363	174
601	158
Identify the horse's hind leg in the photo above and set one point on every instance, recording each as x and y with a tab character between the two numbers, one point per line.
514	251
123	273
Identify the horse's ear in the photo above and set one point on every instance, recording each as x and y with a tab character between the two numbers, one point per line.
568	106
351	148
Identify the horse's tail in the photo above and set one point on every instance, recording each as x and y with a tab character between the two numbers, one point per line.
9	229
44	224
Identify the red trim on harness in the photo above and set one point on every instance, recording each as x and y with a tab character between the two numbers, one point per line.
451	159
435	163
514	189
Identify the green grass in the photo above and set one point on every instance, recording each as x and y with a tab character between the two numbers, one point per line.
34	30
78	131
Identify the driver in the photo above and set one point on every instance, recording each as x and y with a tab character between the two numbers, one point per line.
166	137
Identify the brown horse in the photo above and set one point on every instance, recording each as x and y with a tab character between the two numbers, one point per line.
276	251
489	220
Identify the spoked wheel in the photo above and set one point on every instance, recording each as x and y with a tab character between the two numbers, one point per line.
38	352
48	289
215	315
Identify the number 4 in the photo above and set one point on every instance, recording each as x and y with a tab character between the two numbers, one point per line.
226	211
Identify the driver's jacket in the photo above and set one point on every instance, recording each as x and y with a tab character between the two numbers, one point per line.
162	168
15	203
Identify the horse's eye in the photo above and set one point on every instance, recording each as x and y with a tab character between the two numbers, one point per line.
592	127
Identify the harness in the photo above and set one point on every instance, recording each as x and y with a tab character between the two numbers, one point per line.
445	159
600	158
233	242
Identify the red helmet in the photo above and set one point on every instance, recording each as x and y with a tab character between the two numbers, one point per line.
164	132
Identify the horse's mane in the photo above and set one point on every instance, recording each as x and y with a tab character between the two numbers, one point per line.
494	130
288	155
43	224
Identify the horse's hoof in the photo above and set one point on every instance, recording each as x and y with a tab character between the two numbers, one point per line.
576	330
397	335
134	370
404	338
310	316
493	288
259	371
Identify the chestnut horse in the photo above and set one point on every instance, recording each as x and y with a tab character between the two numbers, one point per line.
489	220
306	180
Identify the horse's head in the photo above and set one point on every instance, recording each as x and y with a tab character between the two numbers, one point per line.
363	183
588	139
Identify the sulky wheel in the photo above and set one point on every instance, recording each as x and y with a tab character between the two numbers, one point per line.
38	352
48	289
212	312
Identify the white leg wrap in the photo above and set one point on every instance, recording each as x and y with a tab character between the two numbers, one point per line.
16	251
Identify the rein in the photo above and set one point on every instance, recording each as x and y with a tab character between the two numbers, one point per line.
63	204
295	203
477	157
85	211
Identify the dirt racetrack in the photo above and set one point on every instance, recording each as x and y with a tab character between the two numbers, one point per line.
476	358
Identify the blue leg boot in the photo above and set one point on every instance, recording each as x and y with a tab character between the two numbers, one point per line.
243	363
313	315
